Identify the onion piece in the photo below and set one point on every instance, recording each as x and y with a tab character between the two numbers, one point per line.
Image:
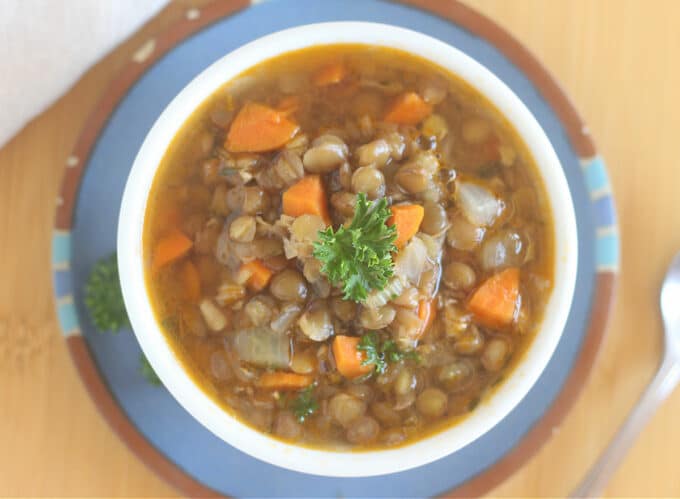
262	346
433	245
479	205
410	261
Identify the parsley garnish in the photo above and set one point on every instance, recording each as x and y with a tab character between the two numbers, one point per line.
147	371
359	257
380	353
103	296
305	404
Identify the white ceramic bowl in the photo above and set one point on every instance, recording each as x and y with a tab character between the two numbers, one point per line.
167	365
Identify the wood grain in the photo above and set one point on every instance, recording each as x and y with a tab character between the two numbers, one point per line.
616	58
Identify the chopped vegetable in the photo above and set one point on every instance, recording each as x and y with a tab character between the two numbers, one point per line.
408	109
279	380
410	262
330	74
103	296
406	218
260	275
147	371
191	282
379	297
359	256
349	360
479	205
262	347
495	301
379	353
258	128
307	197
304	405
426	313
173	246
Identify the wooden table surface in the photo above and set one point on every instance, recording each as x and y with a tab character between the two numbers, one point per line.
618	61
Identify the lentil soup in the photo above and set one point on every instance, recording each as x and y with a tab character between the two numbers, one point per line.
348	247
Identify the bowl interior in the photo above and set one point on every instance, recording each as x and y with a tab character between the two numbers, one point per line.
160	353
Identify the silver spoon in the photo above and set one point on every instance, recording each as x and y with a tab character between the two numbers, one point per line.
666	378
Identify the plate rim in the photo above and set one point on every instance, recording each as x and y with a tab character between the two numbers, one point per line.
196	19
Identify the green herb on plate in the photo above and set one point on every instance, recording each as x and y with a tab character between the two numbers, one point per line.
147	371
103	296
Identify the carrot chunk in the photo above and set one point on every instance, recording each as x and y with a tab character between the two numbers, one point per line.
426	313
307	197
173	246
258	128
406	218
495	301
348	358
330	74
191	282
408	109
260	275
284	381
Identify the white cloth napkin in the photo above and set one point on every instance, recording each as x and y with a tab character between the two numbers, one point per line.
45	45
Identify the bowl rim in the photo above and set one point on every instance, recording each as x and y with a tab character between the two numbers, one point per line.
200	405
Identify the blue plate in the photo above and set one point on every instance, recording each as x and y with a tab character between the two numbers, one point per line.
148	418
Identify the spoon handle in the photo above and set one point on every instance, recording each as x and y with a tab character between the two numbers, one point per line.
665	379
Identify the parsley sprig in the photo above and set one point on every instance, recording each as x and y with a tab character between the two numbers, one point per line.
359	257
304	405
104	301
380	353
103	296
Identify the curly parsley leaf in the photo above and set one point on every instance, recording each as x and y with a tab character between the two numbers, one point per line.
147	371
359	257
380	353
103	296
304	405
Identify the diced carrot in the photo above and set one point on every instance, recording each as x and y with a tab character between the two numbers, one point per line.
408	109
285	381
330	74
288	105
307	197
260	275
191	281
406	218
173	246
348	359
495	301
426	313
258	128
